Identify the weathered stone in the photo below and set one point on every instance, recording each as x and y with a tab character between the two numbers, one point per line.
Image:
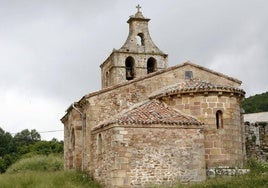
199	123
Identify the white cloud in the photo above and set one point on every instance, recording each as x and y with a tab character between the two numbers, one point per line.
244	65
19	110
50	51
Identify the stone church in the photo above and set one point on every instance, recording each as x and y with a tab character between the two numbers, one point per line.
153	124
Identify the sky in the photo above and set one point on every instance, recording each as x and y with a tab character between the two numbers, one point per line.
50	50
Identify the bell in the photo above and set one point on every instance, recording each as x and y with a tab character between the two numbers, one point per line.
129	75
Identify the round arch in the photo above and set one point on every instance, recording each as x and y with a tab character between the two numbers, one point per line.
129	64
219	119
151	65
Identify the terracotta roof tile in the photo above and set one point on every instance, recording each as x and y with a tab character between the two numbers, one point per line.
194	85
149	76
152	112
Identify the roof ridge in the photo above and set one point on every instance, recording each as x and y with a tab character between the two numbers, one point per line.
192	85
212	71
151	112
157	73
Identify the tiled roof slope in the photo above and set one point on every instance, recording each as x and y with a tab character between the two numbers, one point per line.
152	112
157	73
150	76
194	85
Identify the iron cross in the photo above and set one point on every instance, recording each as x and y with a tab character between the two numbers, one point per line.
138	7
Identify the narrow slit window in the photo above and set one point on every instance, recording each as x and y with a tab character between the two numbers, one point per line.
107	78
73	138
219	120
99	144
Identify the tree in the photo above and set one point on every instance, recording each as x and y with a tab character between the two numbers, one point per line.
256	103
48	147
6	161
24	142
26	137
5	142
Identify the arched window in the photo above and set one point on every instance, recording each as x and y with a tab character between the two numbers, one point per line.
129	68
140	39
219	121
151	65
99	146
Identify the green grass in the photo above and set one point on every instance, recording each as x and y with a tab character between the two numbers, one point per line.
41	171
243	181
57	179
257	178
37	163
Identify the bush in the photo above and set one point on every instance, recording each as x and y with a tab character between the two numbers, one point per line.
37	163
6	161
43	171
256	166
24	143
47	147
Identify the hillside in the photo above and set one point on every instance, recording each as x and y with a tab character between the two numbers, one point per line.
43	171
256	103
39	171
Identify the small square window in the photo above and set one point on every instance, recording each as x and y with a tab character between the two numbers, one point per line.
188	75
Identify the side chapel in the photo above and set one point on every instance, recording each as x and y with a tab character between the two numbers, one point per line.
154	124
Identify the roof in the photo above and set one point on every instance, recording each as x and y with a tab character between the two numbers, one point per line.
151	112
256	117
150	76
194	85
213	72
157	73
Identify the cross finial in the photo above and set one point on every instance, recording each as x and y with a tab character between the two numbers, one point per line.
138	7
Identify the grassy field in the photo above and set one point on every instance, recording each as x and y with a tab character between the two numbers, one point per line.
55	179
257	178
245	181
47	172
41	171
37	163
76	180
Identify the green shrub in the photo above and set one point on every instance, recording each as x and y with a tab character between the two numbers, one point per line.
243	181
256	166
37	163
6	161
43	172
258	177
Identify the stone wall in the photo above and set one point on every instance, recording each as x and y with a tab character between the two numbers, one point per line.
109	102
223	145
73	141
257	140
114	71
205	74
141	155
140	47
